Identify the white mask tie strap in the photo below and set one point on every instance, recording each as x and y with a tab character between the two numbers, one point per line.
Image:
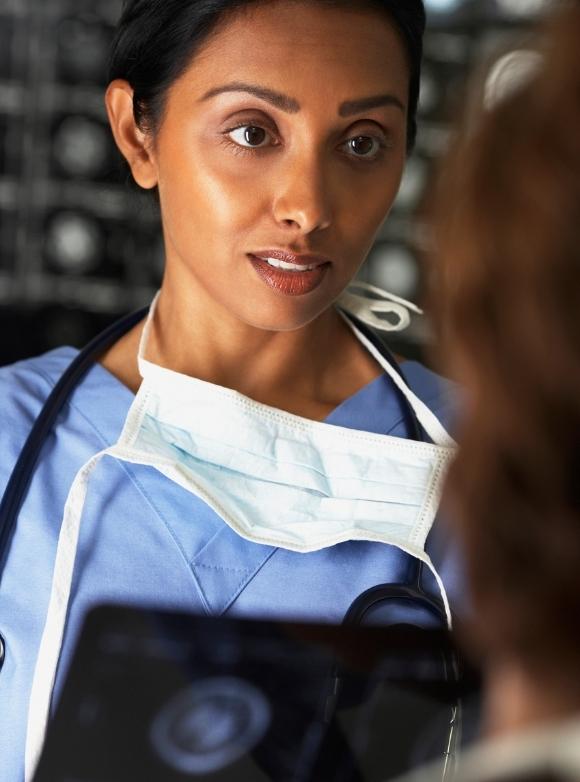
426	417
369	308
52	636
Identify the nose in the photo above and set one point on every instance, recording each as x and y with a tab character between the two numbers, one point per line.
302	199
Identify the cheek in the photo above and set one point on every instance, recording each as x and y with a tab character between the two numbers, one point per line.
207	195
368	204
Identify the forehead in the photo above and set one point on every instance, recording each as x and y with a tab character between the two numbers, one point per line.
305	48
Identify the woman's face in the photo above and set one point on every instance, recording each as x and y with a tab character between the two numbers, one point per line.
284	139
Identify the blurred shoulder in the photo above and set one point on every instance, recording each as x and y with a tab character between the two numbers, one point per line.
546	752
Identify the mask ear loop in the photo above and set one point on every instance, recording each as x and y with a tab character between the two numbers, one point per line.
369	308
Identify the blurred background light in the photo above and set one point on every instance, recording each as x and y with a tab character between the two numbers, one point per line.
442	6
81	146
523	7
394	268
74	242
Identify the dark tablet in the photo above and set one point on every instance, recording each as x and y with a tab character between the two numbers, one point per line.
164	696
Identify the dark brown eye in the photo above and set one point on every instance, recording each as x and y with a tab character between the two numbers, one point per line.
363	146
250	136
255	137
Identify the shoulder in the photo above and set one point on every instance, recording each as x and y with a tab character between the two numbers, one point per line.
24	388
25	385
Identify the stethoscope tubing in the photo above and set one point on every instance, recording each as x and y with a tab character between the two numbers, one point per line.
22	473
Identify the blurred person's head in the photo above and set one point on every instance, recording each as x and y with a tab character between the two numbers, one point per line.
506	301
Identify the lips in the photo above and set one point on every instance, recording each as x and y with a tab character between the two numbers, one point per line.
290	274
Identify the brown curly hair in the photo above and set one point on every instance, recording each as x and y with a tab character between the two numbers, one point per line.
506	306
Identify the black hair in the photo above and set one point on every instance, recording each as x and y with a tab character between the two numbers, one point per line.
155	41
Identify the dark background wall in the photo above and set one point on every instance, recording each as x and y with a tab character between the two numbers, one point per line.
78	247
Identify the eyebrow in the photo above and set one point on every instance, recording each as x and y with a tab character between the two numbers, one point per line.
291	106
278	99
350	107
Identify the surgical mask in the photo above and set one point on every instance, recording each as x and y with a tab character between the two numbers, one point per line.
275	478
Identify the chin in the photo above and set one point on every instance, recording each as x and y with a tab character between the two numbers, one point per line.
285	316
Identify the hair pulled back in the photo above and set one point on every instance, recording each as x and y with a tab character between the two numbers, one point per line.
156	40
506	299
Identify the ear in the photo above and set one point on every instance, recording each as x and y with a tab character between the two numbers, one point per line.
132	142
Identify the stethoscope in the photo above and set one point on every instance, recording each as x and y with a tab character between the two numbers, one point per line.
23	471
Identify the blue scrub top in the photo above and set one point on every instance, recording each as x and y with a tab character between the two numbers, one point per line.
146	541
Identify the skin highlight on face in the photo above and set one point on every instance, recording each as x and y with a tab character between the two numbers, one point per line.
287	132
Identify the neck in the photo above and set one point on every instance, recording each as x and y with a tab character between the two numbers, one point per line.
295	370
518	699
216	347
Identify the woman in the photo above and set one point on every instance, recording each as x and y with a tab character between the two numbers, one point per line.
261	467
506	291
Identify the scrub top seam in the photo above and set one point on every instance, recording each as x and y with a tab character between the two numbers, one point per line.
225	569
207	543
133	478
244	583
161	518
